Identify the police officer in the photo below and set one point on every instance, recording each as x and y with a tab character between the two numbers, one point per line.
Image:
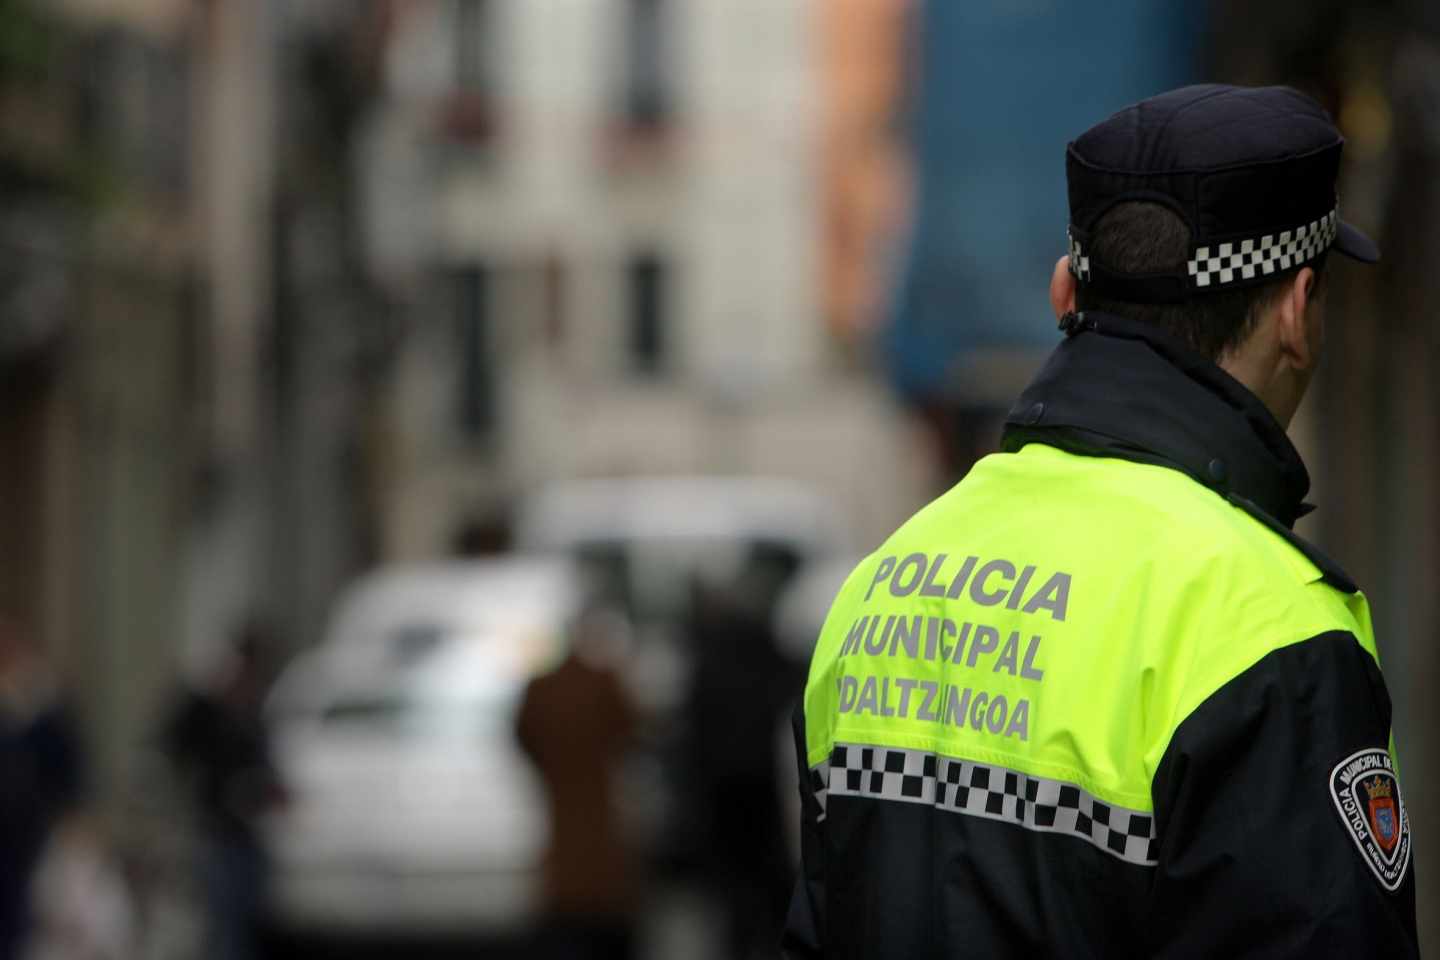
1099	699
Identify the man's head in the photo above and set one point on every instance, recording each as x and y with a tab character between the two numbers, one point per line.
1209	212
1267	336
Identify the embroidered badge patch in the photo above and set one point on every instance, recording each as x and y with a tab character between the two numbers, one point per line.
1367	795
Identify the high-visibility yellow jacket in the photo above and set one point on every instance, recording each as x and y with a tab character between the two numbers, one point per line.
1098	700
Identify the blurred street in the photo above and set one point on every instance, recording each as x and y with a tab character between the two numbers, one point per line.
432	431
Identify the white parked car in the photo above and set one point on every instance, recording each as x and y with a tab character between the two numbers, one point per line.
680	509
411	808
649	538
803	606
646	543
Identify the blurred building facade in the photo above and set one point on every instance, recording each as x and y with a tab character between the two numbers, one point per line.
295	288
163	418
601	220
865	165
97	323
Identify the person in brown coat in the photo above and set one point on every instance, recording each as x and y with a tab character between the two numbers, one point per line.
576	723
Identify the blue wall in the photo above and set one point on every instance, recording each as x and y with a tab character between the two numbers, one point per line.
999	88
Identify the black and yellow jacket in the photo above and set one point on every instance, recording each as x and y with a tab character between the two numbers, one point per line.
1098	700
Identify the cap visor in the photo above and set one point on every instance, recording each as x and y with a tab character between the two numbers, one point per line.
1353	243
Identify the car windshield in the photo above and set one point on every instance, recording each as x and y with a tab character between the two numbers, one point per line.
437	682
656	579
416	715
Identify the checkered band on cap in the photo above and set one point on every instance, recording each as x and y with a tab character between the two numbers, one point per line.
1218	264
992	792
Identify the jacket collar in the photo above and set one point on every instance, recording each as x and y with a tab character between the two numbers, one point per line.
1118	388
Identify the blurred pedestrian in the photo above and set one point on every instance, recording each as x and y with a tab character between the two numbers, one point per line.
743	685
81	903
577	724
41	774
216	737
1100	698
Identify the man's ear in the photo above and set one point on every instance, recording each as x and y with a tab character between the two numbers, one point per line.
1062	288
1292	318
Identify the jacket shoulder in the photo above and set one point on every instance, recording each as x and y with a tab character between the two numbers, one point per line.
1200	587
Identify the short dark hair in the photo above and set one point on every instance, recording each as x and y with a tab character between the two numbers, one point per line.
1137	237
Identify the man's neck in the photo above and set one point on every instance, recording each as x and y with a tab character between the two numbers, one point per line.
1258	370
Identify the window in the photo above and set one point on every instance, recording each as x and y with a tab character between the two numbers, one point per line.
648	279
554	288
471	114
476	369
133	100
474	46
647	93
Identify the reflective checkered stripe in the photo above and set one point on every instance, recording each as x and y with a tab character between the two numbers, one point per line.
992	792
1219	264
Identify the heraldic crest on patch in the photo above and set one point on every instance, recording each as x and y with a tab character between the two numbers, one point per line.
1367	795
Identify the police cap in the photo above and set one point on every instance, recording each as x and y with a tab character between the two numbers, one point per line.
1251	170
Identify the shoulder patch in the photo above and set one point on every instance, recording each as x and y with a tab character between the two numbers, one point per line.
1367	797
